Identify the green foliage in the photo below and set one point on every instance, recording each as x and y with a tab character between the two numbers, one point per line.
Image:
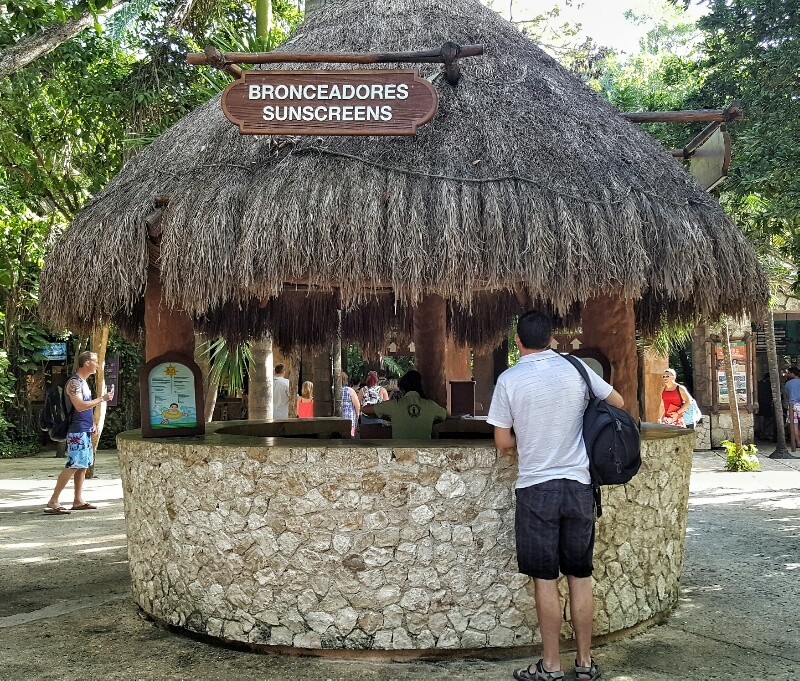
661	76
6	395
669	339
752	52
229	364
16	450
513	350
397	367
70	119
741	458
355	364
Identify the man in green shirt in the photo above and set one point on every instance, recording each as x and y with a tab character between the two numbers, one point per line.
413	415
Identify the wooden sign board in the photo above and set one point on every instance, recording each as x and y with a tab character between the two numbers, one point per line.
171	388
370	102
710	162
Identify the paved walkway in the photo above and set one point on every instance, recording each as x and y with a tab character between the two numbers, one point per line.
65	609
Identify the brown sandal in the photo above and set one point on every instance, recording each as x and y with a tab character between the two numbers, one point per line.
56	510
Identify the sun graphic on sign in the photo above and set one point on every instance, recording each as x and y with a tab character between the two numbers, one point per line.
170	370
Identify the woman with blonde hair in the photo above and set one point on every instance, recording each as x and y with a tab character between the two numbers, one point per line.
305	403
674	401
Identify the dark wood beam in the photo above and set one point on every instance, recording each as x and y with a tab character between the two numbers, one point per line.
732	112
442	55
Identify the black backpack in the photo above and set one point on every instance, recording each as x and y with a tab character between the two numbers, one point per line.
56	414
611	436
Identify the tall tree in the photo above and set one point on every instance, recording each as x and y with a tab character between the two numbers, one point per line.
752	53
67	22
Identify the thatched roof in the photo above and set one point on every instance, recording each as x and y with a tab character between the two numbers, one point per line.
524	180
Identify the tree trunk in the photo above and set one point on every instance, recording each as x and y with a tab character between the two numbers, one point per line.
733	403
263	18
336	355
260	384
45	41
211	399
775	378
202	356
99	345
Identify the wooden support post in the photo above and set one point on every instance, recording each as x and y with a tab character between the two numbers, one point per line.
322	378
457	366
99	344
654	365
259	393
430	343
483	372
609	325
165	329
336	356
293	374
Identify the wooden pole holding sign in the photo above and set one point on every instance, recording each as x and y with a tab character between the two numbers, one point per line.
448	54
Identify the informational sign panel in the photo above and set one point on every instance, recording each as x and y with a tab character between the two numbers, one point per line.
54	352
111	374
172	397
739	359
369	102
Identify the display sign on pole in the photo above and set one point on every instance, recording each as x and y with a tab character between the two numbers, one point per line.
373	102
739	359
111	375
172	397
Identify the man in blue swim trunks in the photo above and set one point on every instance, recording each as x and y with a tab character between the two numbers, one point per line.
80	454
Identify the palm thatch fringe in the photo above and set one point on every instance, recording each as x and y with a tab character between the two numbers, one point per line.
524	178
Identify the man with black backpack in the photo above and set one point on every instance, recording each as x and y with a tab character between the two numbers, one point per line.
538	406
80	453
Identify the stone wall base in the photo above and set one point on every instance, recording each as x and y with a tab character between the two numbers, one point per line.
429	654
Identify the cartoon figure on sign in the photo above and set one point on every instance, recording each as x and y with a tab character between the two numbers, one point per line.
173	413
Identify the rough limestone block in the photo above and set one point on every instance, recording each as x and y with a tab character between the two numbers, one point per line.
353	546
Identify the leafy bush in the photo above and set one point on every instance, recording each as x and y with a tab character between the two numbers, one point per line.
742	458
16	450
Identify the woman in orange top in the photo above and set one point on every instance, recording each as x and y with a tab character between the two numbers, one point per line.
674	401
305	403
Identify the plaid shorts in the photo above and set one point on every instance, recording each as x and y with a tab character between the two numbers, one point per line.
555	529
79	450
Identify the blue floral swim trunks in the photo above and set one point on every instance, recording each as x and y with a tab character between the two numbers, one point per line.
79	450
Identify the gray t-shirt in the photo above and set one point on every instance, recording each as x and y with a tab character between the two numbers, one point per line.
280	398
543	398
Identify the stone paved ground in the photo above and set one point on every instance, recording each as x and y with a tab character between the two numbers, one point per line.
65	611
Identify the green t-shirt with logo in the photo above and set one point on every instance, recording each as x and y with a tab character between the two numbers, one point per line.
412	417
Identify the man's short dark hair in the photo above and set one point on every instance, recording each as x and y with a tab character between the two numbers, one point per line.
795	371
280	368
534	330
412	382
85	357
